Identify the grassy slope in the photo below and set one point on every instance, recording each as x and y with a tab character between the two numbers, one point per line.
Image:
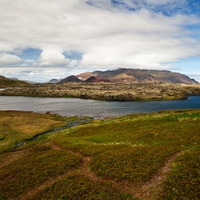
6	82
148	156
16	126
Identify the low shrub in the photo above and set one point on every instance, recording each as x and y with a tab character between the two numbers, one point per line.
183	183
23	175
77	187
134	164
125	149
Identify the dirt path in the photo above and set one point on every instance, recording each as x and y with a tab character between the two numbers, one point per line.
8	158
151	189
54	146
143	191
84	170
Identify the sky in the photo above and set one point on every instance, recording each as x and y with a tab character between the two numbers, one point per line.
45	39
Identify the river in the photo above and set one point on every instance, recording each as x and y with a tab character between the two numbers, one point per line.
93	108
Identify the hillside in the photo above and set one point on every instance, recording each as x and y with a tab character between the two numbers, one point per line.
54	80
91	79
7	82
143	157
139	76
94	79
84	76
70	79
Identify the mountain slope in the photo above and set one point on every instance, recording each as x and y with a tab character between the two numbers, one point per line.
93	79
70	79
84	76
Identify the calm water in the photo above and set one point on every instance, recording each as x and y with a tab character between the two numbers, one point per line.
93	108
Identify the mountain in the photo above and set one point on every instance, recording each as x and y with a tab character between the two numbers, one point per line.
140	76
93	79
8	82
84	76
70	79
54	80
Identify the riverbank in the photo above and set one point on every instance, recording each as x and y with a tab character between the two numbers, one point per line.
71	122
17	127
108	91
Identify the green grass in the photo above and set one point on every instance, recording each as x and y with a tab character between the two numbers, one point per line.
176	129
6	82
119	153
77	187
41	164
16	126
184	181
133	164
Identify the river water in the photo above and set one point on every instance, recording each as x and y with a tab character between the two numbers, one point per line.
93	108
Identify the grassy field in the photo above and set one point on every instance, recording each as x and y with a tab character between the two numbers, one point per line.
135	157
16	126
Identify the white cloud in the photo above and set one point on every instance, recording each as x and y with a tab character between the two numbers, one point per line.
8	59
52	58
168	5
108	37
73	63
38	74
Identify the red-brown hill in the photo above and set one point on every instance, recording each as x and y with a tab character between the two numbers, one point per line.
93	79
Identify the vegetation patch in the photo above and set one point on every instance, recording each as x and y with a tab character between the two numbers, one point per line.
178	129
77	187
120	158
39	166
184	180
134	164
16	126
6	82
108	91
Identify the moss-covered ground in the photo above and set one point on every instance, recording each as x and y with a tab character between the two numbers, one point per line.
146	156
16	126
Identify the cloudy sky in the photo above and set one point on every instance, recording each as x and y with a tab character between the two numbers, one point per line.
45	39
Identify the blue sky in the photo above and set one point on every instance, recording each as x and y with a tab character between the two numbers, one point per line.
41	40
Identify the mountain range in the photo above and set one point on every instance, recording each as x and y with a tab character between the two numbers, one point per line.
131	76
120	75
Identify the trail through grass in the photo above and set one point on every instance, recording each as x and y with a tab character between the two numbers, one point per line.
146	156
